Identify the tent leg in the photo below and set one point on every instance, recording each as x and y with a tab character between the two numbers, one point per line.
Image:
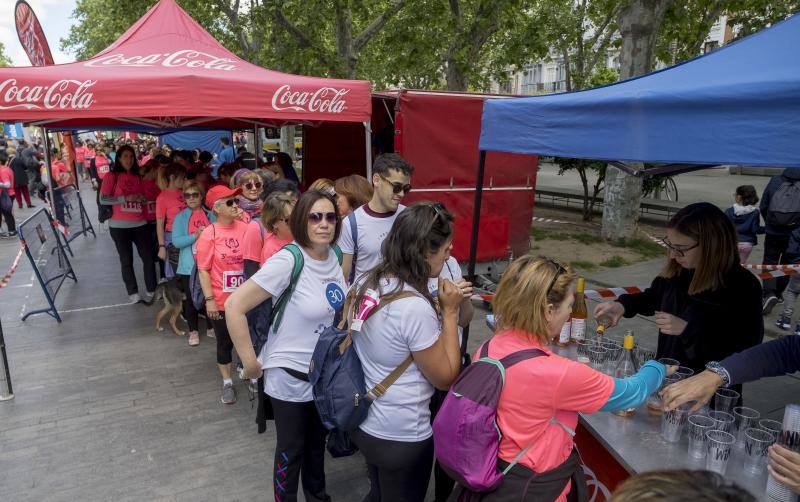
476	216
47	165
368	145
257	152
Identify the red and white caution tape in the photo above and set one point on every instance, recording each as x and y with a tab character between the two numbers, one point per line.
549	220
7	277
61	228
658	241
592	294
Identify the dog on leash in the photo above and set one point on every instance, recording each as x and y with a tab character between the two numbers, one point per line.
173	297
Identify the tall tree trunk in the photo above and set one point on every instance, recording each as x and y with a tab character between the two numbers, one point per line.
287	140
455	78
638	24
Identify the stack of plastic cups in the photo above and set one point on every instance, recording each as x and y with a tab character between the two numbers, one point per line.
790	439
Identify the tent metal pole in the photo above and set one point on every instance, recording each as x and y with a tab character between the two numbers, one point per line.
48	173
476	216
255	144
368	146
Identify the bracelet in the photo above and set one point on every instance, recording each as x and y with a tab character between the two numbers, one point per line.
162	246
209	298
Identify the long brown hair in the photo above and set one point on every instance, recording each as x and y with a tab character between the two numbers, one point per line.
716	237
528	286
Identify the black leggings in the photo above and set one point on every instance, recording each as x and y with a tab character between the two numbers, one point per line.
124	239
300	448
224	342
398	471
189	312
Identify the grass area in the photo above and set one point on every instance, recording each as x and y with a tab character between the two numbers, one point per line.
648	249
614	262
583	265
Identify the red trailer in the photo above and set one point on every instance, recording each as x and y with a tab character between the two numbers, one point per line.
438	133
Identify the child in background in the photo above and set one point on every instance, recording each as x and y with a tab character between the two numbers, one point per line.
793	289
747	219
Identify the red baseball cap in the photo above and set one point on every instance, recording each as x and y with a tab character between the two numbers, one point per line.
218	192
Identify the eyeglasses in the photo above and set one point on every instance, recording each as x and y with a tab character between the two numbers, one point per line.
559	270
397	187
231	202
678	250
316	218
250	185
191	195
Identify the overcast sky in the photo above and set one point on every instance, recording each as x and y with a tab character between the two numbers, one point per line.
54	15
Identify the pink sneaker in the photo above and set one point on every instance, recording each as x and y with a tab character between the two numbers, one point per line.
194	338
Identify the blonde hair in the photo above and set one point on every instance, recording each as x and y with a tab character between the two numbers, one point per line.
522	296
322	184
275	209
242	176
192	184
678	486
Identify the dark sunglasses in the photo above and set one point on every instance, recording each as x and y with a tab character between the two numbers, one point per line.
191	195
397	187
231	202
680	251
250	185
559	270
316	218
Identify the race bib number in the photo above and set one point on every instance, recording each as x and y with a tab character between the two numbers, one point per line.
231	280
335	296
104	169
132	207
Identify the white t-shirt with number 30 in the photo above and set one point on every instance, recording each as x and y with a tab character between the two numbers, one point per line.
319	293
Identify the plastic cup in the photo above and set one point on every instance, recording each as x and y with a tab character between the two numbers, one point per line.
583	350
718	450
725	400
597	357
642	355
672	423
684	372
790	430
772	426
722	421
756	447
696	428
654	401
744	418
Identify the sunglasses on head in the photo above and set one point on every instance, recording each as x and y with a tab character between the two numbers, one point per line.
191	195
316	218
559	270
397	187
252	185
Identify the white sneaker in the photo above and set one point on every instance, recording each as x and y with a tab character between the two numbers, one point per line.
134	298
147	298
210	333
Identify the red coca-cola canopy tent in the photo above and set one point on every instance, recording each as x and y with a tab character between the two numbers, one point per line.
166	72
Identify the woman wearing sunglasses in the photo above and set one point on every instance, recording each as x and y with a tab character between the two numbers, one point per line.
317	295
249	201
220	267
706	305
186	229
538	410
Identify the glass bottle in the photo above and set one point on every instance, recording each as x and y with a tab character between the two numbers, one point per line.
626	367
579	313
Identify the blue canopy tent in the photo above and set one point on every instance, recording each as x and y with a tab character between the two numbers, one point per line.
737	105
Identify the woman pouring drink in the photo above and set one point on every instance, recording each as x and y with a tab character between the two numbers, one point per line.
705	304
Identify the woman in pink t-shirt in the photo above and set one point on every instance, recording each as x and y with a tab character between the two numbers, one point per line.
123	191
220	266
265	236
541	399
250	200
168	204
101	163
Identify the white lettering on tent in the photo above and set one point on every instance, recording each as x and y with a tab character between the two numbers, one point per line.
63	95
323	100
186	57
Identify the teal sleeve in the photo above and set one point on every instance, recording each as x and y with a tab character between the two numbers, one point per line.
181	237
632	392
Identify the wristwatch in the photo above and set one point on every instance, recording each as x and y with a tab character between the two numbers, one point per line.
717	368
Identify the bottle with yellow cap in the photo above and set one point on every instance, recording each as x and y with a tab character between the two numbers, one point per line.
626	366
579	313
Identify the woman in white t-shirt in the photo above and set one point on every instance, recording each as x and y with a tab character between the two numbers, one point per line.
396	438
318	294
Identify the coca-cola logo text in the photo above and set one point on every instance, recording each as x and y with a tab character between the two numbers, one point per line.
324	100
188	58
63	95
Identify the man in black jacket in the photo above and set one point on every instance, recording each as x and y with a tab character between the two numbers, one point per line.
777	239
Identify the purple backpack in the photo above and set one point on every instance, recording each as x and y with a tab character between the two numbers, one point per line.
466	438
